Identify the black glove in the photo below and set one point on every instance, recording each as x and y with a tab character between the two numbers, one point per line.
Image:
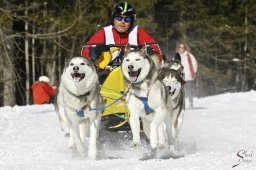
102	47
94	52
150	51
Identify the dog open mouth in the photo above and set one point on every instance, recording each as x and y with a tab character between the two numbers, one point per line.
78	76
134	75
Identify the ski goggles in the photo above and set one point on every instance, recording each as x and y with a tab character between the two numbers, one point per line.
126	19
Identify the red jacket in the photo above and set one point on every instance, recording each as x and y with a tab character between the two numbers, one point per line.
143	37
42	92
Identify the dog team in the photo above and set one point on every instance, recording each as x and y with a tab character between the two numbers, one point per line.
154	91
78	104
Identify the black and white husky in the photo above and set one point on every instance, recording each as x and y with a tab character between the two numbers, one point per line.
171	73
78	93
146	98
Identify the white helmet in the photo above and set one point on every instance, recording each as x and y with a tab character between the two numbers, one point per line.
44	79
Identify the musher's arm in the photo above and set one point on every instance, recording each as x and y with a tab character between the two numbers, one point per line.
101	53
143	37
97	38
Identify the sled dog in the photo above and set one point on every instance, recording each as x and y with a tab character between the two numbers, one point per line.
146	98
171	73
78	93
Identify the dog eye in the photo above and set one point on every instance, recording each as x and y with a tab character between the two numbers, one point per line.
82	64
165	80
72	64
127	60
137	59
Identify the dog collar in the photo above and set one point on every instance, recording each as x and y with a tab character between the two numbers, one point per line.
84	96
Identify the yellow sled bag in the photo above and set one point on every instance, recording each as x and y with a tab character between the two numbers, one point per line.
105	58
113	88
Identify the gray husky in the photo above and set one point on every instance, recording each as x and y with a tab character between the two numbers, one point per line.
76	103
146	98
171	73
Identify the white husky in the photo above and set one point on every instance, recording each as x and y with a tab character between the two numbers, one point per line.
146	98
79	93
171	74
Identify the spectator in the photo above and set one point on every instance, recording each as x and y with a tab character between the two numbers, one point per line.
190	68
43	93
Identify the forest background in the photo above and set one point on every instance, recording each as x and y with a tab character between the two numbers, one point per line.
37	36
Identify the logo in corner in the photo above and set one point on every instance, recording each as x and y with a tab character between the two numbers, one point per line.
244	156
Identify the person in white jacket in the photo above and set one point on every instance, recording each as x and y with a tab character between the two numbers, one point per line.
190	68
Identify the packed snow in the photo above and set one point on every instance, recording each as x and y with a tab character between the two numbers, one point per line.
218	134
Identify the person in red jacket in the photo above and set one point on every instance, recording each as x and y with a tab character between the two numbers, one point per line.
43	93
121	32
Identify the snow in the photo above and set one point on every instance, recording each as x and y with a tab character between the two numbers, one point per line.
212	135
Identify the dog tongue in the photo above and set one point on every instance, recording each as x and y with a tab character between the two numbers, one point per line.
133	76
133	79
76	78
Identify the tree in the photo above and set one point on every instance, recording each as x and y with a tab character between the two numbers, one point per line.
216	33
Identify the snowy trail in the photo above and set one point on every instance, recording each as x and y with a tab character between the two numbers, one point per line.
211	136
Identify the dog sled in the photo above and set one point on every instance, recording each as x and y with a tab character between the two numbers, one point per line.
113	89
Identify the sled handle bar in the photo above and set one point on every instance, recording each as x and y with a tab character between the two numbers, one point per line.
117	45
120	45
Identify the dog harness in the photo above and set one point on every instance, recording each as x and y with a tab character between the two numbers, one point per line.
144	100
146	106
80	112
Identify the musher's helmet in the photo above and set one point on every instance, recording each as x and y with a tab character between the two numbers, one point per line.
124	8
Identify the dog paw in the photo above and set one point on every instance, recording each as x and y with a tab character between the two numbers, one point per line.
172	148
153	144
92	154
70	146
67	135
135	145
149	155
161	146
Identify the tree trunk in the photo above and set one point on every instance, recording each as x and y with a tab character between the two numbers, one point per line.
33	55
27	61
9	86
8	78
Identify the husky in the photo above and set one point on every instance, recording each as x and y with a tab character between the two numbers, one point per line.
171	73
146	98
77	99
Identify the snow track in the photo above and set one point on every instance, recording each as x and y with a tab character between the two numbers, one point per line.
211	136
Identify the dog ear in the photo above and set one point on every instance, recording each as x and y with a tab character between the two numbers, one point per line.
144	48
127	48
181	68
177	57
161	73
67	62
